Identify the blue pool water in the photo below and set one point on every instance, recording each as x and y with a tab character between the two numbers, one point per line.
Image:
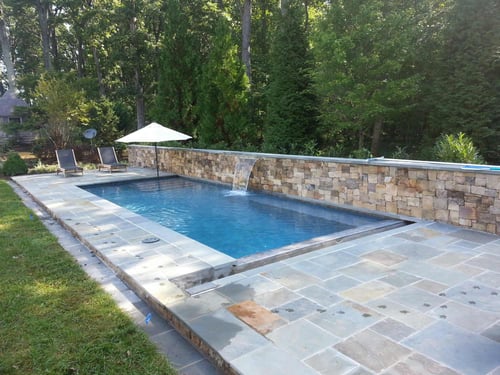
235	223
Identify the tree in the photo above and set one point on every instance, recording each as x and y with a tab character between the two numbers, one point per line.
62	111
42	7
363	77
291	117
246	23
6	55
183	53
222	107
465	95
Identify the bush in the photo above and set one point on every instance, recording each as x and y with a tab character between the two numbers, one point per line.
400	153
361	153
14	165
456	149
40	167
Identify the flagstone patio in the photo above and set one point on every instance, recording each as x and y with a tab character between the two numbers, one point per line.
420	299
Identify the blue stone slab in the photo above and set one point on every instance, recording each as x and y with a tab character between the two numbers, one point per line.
340	283
366	271
474	236
416	298
246	289
319	295
476	294
302	338
331	362
345	318
435	273
271	360
415	251
336	260
400	279
315	269
457	348
227	335
297	309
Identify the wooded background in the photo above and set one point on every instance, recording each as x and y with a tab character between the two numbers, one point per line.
344	78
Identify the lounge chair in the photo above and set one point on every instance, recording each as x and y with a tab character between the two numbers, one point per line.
109	161
67	162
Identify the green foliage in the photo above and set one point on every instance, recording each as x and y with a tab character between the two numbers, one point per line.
40	167
363	76
183	54
400	153
222	107
361	153
291	118
14	165
102	117
457	148
465	94
386	73
62	110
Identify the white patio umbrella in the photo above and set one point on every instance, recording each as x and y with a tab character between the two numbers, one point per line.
154	133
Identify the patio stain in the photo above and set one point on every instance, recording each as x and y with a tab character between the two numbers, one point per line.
256	316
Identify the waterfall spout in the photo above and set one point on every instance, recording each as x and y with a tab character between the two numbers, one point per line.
242	172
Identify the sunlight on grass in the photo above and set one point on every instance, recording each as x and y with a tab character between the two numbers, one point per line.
53	318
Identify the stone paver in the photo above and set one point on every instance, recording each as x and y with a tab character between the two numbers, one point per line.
419	299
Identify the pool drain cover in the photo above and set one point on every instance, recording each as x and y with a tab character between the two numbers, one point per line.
150	240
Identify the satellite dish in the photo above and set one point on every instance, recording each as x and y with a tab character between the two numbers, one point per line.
90	133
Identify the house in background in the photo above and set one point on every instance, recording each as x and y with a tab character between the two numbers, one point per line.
8	104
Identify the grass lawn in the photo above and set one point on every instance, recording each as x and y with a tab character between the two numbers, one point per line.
53	318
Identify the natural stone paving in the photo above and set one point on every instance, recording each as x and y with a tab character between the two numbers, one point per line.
421	299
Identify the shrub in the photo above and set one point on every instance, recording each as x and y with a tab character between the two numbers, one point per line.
400	153
14	165
361	153
40	167
456	149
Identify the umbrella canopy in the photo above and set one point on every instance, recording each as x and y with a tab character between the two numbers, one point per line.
155	133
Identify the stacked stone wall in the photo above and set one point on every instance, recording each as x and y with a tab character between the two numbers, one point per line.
432	191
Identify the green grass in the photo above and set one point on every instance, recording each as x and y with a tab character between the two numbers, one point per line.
53	318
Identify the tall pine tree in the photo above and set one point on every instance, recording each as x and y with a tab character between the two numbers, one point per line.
291	119
223	94
182	56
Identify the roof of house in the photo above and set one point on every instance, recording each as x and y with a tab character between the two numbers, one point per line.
8	102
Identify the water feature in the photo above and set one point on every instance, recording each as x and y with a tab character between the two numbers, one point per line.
242	172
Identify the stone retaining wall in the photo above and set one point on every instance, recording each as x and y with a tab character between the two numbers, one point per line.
443	192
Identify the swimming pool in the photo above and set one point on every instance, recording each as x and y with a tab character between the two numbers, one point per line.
238	224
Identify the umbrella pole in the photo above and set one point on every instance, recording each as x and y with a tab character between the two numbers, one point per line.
157	166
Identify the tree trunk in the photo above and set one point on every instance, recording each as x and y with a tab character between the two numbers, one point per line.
43	15
246	20
54	46
97	64
80	59
6	54
376	134
361	139
139	100
284	7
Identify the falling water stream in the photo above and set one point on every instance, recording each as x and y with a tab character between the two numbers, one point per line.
242	172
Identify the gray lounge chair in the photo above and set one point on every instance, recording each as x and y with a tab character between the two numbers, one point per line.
67	162
109	161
